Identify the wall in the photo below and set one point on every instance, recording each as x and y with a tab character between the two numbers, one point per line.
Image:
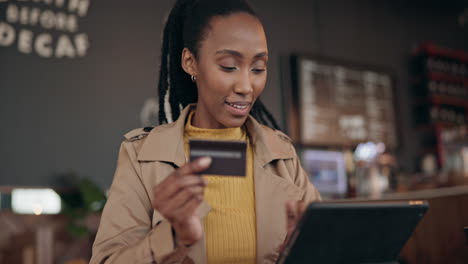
381	33
69	115
384	33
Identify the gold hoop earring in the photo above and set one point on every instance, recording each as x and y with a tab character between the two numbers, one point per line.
193	78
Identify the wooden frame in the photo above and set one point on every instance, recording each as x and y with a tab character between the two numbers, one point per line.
340	104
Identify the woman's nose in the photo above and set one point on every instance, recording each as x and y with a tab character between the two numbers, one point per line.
244	84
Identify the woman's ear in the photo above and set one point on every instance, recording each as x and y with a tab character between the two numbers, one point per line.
188	62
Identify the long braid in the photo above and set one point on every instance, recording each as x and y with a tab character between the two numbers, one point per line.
184	28
175	70
163	75
173	79
268	116
256	112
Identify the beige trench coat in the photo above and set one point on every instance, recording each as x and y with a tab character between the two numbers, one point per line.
131	231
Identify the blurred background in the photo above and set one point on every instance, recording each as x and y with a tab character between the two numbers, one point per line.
373	93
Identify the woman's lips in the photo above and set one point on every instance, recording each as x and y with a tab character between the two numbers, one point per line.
238	108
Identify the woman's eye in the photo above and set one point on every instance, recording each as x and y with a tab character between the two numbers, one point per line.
228	68
258	70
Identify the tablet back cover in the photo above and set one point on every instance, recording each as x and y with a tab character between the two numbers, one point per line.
354	232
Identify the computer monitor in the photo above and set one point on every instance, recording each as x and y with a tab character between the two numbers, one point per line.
326	171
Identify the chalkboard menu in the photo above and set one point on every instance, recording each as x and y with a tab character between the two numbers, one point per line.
342	105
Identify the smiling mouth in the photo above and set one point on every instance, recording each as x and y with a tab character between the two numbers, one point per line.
239	105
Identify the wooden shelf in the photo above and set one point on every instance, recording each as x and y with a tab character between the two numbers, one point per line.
440	76
434	50
442	99
437	125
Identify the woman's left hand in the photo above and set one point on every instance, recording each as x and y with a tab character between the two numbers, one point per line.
294	211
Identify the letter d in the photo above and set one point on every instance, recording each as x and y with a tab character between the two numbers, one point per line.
7	34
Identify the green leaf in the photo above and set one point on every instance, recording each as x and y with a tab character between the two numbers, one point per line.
94	198
78	231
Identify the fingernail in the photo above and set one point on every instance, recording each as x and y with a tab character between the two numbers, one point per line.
205	161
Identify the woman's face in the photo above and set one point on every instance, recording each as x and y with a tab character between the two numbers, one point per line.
230	70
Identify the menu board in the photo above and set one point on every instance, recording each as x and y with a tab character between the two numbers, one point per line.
343	105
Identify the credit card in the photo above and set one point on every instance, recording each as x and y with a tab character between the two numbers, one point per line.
228	157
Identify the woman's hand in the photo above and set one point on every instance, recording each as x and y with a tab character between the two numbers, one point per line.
294	212
179	195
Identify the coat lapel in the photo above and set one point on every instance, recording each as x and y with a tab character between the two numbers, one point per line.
165	143
271	191
271	194
264	191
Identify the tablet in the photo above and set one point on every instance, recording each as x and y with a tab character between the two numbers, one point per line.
353	233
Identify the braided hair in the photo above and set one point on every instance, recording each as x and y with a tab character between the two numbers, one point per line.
185	28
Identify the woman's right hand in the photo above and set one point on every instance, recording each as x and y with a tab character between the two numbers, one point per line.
179	195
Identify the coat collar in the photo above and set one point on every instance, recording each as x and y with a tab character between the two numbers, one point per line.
166	142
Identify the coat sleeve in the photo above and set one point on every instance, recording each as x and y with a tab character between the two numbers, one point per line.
125	233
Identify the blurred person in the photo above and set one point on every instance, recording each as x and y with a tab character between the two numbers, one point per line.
160	210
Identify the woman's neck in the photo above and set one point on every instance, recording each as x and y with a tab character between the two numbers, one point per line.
202	119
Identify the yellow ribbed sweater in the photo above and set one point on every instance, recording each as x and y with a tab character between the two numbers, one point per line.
230	225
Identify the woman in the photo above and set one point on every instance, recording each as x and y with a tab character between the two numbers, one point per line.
214	66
